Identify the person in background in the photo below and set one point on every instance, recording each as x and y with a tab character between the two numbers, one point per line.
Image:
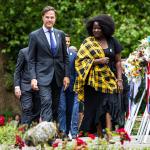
81	113
81	104
29	99
96	83
17	117
124	97
73	48
48	64
68	105
68	41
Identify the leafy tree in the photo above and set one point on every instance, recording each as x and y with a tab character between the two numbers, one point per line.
19	18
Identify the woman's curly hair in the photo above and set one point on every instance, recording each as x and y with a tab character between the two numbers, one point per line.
106	23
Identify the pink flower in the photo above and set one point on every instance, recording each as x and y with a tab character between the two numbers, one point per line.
92	136
120	130
21	129
80	134
2	120
54	145
127	137
80	142
123	135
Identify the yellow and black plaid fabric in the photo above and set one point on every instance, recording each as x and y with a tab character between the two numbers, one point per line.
100	77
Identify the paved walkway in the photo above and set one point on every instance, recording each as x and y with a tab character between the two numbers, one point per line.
133	145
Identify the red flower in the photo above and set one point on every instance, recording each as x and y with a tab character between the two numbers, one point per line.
9	119
2	120
127	137
80	142
55	144
21	129
19	142
122	141
92	136
80	134
120	130
123	135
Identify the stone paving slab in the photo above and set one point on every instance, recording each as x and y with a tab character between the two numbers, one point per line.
135	144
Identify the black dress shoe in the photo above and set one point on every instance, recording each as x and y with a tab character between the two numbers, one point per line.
50	142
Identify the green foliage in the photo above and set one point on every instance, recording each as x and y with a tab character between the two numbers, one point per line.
7	115
19	18
8	77
7	134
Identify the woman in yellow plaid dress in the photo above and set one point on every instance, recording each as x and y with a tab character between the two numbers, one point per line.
98	66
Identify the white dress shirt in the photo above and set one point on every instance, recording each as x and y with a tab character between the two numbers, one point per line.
46	31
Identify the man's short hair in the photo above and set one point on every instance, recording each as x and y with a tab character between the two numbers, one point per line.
67	35
73	48
48	8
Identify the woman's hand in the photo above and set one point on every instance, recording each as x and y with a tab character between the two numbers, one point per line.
104	60
120	85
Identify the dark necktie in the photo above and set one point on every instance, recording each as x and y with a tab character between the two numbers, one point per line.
52	42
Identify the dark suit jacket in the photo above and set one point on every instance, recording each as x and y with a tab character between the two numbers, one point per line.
72	57
42	64
21	75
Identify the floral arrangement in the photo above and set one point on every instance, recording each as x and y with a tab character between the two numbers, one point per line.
14	137
17	137
85	143
91	142
135	65
10	134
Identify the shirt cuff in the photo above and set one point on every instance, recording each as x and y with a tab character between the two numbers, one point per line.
17	87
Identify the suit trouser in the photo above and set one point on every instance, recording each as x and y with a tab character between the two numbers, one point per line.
30	104
68	112
49	101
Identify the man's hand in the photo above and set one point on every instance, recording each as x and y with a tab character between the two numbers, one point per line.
66	82
34	84
17	92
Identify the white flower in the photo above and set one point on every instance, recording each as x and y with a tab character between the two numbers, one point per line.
147	53
133	67
144	42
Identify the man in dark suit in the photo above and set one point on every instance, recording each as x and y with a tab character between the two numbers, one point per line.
30	100
48	64
68	105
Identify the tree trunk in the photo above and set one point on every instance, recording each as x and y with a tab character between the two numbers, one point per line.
8	102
